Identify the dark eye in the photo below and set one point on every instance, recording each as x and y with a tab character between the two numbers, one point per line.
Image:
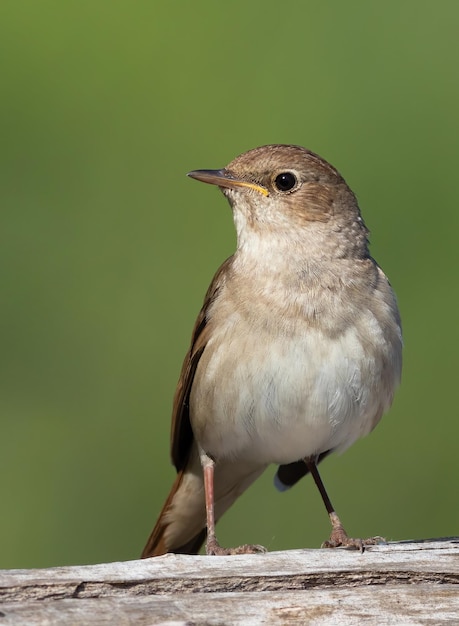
285	181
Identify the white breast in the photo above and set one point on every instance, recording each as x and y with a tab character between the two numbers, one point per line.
279	398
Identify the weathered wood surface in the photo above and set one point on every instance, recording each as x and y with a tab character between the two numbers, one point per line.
409	583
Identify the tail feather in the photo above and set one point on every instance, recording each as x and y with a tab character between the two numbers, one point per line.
157	546
181	526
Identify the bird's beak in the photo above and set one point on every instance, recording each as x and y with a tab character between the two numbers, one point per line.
224	178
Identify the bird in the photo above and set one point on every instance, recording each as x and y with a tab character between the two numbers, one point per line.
295	354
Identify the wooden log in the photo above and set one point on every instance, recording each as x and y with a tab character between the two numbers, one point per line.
397	583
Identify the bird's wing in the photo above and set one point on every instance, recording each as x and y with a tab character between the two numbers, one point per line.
181	431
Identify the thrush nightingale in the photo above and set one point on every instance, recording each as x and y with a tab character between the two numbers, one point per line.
296	352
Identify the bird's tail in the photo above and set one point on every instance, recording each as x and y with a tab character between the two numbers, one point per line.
181	526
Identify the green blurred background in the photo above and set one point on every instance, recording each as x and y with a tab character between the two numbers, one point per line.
107	250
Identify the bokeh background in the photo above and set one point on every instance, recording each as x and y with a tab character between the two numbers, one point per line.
107	250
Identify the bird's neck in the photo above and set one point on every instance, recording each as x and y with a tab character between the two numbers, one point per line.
296	279
310	254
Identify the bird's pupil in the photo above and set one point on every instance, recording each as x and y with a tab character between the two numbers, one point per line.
285	181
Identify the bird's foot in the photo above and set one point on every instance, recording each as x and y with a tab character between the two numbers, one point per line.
214	548
340	538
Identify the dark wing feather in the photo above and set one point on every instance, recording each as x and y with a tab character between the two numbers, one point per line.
181	431
288	475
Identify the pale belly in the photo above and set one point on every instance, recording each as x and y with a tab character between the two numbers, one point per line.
281	400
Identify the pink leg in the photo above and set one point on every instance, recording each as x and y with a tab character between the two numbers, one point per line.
212	545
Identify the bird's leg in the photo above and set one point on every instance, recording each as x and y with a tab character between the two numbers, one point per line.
212	545
339	536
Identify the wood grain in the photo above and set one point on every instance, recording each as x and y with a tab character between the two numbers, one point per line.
404	583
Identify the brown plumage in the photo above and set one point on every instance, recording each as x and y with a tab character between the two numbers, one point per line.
295	353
